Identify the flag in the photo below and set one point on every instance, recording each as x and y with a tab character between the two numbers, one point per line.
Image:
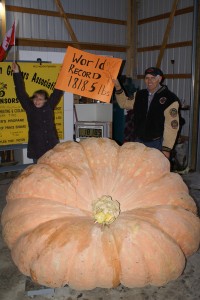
9	40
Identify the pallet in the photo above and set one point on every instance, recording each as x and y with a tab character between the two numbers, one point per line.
33	289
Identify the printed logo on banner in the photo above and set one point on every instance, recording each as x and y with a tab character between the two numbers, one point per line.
3	86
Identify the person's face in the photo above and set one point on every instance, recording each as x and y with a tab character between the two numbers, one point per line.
152	82
39	100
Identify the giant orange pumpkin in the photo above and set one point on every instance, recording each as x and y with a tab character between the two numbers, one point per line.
96	214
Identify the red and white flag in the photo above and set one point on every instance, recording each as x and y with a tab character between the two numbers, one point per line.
9	40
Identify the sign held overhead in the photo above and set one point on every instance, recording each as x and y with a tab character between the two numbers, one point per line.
88	75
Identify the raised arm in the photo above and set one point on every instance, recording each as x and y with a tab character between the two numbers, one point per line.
55	97
20	90
122	100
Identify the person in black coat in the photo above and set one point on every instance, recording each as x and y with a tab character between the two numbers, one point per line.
42	135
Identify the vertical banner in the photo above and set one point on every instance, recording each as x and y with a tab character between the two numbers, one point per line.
13	121
88	75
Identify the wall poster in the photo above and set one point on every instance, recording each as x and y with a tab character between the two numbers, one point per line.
13	121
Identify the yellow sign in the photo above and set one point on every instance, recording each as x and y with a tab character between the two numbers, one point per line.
88	75
13	121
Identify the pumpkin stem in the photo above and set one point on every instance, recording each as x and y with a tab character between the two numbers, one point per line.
106	210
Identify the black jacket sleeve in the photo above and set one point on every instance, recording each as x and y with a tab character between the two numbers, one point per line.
20	90
55	97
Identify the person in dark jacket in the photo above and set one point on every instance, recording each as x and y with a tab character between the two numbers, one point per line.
155	112
42	135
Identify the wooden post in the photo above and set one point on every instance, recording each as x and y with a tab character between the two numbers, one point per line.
131	54
3	19
196	100
169	25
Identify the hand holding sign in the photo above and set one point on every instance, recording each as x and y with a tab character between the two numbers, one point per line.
88	75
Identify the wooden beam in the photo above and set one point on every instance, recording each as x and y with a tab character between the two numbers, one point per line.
49	13
166	35
67	23
178	12
172	76
168	46
64	44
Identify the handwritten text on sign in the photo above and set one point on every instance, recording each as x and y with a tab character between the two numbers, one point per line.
88	75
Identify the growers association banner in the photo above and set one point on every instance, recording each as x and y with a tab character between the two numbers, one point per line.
13	121
88	75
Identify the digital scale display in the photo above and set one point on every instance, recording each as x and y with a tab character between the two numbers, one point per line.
90	132
84	129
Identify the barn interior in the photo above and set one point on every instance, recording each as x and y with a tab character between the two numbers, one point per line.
141	33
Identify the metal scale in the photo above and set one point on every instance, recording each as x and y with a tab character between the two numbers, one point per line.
87	125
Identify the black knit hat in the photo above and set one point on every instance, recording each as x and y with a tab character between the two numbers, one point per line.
153	71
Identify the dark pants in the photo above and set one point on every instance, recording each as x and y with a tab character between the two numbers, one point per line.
151	144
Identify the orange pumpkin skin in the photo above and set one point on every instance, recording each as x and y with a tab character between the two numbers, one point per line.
48	222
